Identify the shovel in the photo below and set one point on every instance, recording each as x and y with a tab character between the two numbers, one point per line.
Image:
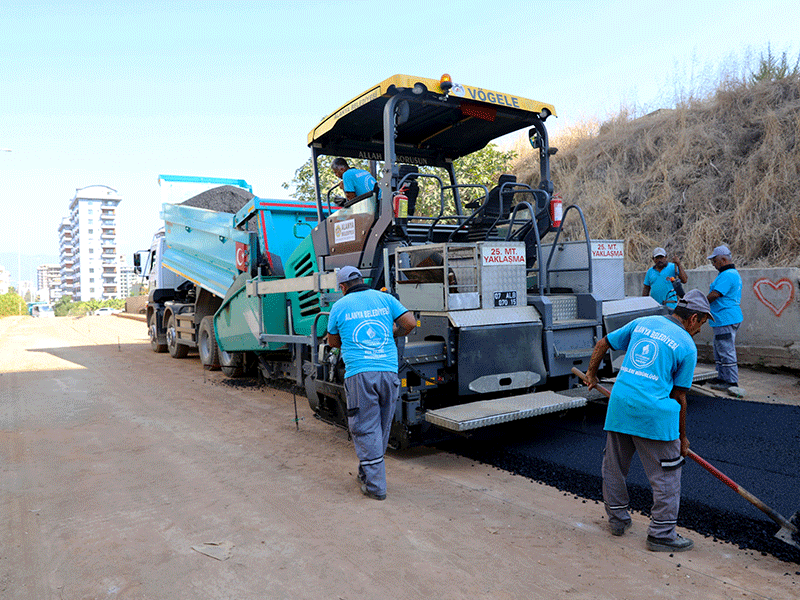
788	531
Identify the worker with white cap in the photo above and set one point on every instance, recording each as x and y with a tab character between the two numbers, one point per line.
364	323
725	297
658	281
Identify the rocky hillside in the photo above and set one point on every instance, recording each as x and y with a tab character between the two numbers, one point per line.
722	170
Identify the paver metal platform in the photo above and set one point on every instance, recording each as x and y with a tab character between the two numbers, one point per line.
501	410
702	374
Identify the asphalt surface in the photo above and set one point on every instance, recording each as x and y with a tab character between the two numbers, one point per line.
757	445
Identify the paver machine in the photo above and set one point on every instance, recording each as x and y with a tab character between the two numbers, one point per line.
505	306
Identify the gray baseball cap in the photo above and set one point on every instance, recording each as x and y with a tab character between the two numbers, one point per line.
720	251
347	274
696	301
659	252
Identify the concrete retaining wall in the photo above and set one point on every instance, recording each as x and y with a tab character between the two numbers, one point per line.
770	332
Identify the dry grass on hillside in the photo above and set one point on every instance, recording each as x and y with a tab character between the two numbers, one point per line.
722	170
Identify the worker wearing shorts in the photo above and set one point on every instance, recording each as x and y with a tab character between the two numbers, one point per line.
364	323
647	414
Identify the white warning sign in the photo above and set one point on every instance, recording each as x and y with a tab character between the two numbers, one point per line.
503	256
608	250
344	231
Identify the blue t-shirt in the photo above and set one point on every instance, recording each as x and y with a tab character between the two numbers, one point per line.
364	321
358	181
726	310
660	288
660	355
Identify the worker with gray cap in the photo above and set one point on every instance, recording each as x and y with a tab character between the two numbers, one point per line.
364	323
725	297
647	414
660	279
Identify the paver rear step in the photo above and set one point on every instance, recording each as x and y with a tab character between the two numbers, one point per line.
483	413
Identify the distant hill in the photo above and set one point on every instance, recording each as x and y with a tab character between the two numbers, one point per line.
28	265
722	170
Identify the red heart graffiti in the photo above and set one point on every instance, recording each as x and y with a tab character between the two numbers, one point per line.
759	285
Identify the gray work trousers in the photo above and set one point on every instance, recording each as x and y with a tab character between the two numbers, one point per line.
371	398
662	464
725	353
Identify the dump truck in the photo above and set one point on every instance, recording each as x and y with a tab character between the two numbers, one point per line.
195	258
506	306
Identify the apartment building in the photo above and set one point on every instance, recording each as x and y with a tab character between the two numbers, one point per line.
48	282
88	245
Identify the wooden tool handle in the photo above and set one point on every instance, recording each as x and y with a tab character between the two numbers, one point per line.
582	376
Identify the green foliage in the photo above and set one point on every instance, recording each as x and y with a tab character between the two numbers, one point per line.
12	304
482	167
61	307
65	307
772	68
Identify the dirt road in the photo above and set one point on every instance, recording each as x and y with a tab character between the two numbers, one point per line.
120	467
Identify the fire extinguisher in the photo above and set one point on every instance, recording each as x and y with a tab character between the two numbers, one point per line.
401	204
556	210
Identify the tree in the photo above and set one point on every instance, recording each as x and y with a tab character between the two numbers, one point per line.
12	304
62	306
481	167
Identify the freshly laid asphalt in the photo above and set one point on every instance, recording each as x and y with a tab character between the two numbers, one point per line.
755	444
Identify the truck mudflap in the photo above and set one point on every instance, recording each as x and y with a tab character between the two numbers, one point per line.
483	413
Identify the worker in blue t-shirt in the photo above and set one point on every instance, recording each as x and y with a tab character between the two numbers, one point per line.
657	279
725	296
355	182
647	414
364	323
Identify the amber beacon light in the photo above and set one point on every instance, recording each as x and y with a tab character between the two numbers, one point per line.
446	83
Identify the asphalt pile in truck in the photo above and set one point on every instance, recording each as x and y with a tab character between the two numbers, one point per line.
722	169
226	198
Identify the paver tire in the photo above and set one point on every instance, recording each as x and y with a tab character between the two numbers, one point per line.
232	363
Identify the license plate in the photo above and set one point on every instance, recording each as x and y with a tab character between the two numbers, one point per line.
505	299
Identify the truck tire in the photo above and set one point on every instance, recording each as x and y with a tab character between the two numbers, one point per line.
207	344
231	363
152	332
176	350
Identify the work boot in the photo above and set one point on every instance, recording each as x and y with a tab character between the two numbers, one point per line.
619	528
722	386
679	544
372	495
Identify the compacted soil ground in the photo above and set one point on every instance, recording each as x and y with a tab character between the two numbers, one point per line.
127	474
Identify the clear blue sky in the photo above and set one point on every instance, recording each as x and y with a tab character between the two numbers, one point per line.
117	93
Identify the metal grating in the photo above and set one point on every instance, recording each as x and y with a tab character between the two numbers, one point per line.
565	308
483	413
